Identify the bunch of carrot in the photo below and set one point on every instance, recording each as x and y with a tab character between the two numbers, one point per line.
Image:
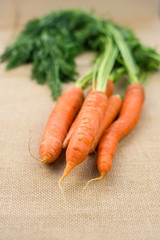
93	126
81	126
99	121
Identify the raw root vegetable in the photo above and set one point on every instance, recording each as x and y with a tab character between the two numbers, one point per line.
71	131
113	109
59	122
52	51
92	112
90	119
127	120
109	90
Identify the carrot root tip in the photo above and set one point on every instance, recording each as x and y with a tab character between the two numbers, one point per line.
94	179
67	170
29	149
63	177
61	189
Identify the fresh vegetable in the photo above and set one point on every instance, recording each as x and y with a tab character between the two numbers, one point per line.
92	112
51	44
113	109
129	114
127	120
109	90
71	131
90	119
59	122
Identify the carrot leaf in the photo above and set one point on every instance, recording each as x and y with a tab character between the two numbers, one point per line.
51	44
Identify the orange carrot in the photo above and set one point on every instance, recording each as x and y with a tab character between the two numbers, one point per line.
127	120
113	108
109	90
90	119
71	131
59	122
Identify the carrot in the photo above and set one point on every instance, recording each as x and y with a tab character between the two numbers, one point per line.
127	120
59	122
90	119
92	112
113	108
71	131
109	90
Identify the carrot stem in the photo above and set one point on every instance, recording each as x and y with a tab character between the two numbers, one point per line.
117	74
95	70
84	81
107	63
126	53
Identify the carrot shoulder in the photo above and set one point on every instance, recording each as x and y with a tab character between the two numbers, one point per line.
90	119
109	90
127	120
59	122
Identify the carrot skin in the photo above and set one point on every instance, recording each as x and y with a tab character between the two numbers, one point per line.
109	90
113	109
59	122
71	131
90	119
126	121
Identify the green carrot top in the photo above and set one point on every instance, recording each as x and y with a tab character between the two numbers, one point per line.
52	42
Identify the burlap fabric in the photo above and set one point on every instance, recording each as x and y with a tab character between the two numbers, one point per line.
125	205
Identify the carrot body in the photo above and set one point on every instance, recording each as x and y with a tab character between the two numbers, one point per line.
59	122
71	131
109	90
113	108
89	121
127	120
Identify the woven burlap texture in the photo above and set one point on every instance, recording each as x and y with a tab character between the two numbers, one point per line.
125	205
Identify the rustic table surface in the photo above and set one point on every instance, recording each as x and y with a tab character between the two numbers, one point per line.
125	205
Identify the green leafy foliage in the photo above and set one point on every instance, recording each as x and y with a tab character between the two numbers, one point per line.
52	42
